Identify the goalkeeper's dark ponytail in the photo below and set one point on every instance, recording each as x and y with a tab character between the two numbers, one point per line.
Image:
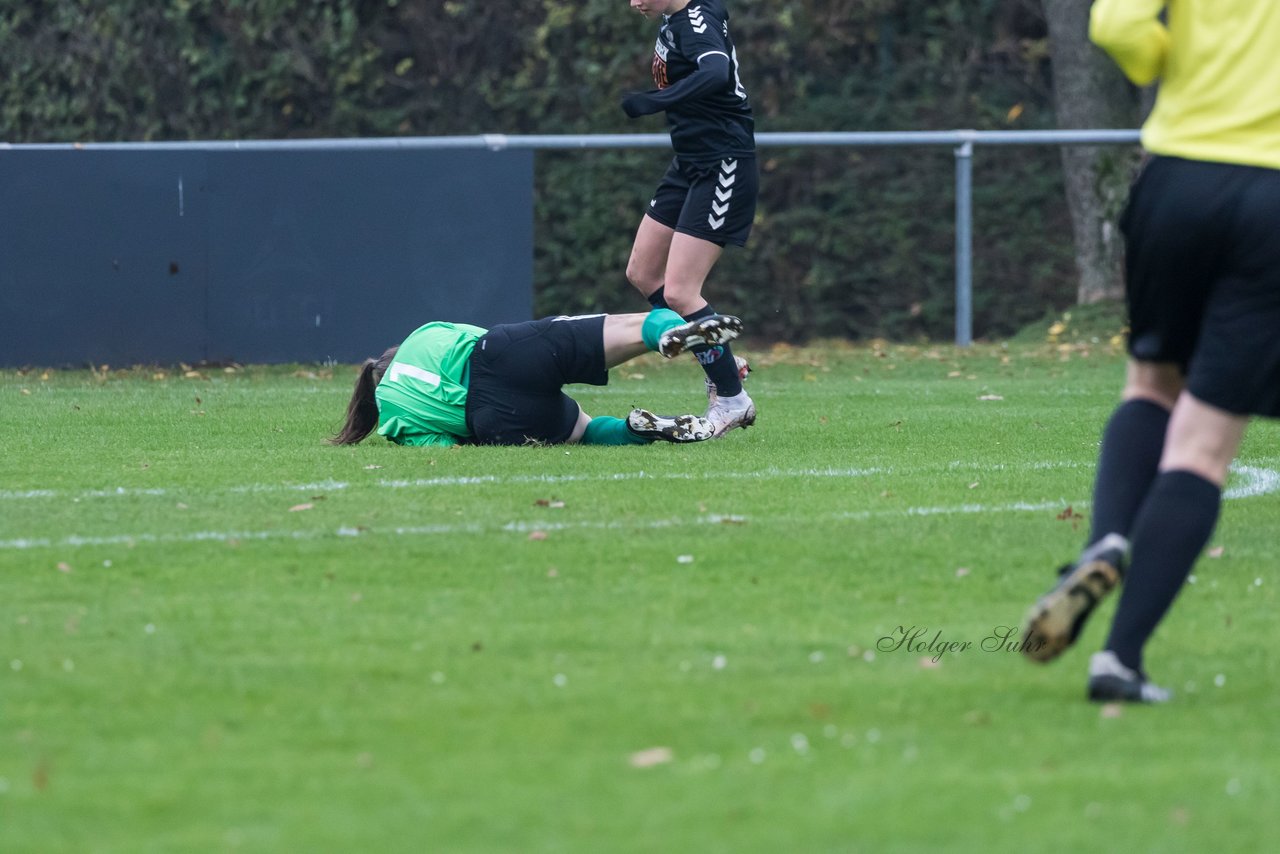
362	410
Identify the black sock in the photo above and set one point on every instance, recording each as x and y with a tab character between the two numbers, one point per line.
1172	528
1131	447
717	360
658	299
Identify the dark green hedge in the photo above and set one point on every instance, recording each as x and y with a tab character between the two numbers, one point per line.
848	242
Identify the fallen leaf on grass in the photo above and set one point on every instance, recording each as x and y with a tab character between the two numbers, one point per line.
930	664
961	572
371	468
40	776
651	757
990	397
64	567
299	507
549	502
1216	551
537	535
1112	710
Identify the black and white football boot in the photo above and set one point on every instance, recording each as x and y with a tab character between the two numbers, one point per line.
669	428
1055	621
713	329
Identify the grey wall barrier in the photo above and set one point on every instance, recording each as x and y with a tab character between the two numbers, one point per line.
164	253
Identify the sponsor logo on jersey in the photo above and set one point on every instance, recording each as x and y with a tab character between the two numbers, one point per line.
661	50
659	72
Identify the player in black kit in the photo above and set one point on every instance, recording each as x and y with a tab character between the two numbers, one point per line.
707	198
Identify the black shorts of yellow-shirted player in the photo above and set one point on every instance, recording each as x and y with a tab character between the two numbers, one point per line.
453	383
707	198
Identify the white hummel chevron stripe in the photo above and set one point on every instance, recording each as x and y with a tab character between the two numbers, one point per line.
695	18
728	166
727	181
723	195
715	223
720	209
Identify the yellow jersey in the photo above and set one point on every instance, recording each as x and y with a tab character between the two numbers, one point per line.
1218	64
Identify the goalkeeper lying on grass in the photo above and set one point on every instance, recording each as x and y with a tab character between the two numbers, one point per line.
451	383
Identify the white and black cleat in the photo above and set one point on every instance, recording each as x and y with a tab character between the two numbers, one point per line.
710	330
728	413
669	428
1110	682
1057	618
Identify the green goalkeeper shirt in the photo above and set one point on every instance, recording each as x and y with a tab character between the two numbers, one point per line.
422	398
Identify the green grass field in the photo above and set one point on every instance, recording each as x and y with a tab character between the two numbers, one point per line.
219	634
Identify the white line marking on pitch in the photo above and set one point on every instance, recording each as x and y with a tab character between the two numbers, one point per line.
513	527
461	480
1258	482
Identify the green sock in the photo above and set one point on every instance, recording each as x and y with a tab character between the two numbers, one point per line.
605	430
658	322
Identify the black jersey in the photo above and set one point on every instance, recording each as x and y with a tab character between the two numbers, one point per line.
718	124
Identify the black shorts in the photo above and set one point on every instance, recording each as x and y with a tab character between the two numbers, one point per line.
517	369
713	201
1202	278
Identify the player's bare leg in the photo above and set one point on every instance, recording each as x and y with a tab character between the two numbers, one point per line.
647	266
622	338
